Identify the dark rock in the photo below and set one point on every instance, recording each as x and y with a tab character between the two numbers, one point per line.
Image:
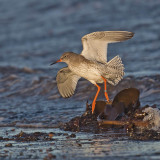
72	125
100	107
123	106
87	123
73	135
112	113
145	135
22	136
8	145
124	115
129	98
50	157
124	103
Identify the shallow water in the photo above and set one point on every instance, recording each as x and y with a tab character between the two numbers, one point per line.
34	33
83	146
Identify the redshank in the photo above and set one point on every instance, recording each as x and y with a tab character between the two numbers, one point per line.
92	64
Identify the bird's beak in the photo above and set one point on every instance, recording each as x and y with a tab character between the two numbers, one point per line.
60	60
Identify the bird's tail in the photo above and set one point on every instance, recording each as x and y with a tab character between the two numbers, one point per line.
115	71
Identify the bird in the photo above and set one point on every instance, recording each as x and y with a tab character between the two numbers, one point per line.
92	64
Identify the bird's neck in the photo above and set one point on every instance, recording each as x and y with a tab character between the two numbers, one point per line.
75	61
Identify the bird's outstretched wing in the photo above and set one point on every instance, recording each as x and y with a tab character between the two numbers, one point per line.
95	44
66	82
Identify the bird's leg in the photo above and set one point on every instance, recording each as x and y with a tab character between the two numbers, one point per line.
94	101
105	89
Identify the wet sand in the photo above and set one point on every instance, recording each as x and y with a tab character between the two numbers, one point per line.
58	144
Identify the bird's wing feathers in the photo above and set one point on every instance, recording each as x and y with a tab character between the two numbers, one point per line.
66	82
95	44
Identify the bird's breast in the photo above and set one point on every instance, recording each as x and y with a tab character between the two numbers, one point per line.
87	71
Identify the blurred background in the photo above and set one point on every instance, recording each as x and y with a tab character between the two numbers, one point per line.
34	33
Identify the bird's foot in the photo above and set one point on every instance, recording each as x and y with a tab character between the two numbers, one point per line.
93	106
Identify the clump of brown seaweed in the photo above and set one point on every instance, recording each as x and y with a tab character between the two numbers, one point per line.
124	114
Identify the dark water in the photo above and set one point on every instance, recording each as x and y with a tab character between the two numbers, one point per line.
33	33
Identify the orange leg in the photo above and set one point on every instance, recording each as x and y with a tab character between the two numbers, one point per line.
105	89
94	101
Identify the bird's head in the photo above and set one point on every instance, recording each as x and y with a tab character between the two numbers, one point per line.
66	57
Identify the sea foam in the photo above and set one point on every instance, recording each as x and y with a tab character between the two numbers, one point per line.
153	117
